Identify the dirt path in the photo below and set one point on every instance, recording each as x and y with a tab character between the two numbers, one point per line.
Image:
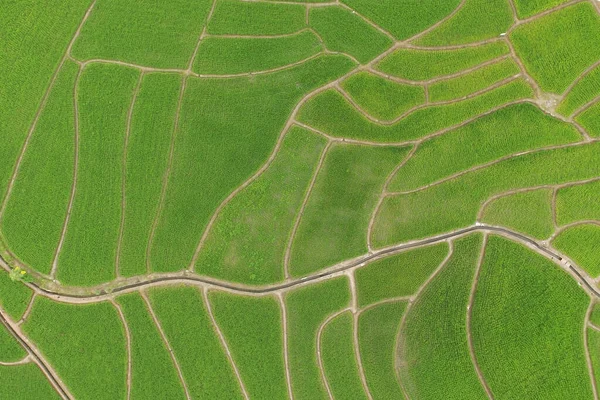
25	360
127	343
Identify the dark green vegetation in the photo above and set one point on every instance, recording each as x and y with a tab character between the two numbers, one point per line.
14	297
580	243
10	349
527	326
25	381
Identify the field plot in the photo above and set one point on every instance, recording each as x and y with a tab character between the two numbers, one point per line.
577	203
13	298
584	91
590	119
10	350
37	387
580	243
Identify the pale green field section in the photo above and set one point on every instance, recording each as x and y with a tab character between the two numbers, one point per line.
590	119
585	90
578	203
580	243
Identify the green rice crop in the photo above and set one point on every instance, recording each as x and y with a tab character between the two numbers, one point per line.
526	326
85	343
553	52
377	333
593	337
425	213
528	8
14	296
513	129
158	34
476	20
590	120
579	202
595	315
433	350
35	213
527	212
89	251
34	36
153	374
461	86
334	223
226	55
146	161
249	238
215	152
189	330
339	359
398	275
380	97
331	113
25	381
343	30
253	331
421	65
10	349
403	19
307	308
256	18
580	243
584	91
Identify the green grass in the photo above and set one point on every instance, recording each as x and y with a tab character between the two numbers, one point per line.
403	19
153	373
584	91
89	251
380	97
528	8
84	343
576	203
159	34
14	296
36	210
10	349
253	331
590	120
513	129
553	52
189	330
248	240
34	36
146	161
377	333
334	223
398	275
339	359
527	212
25	381
594	349
595	315
343	30
250	18
215	152
526	326
476	20
433	350
459	87
425	213
332	113
580	244
307	308
225	55
419	65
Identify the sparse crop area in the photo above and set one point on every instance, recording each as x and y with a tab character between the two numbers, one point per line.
300	199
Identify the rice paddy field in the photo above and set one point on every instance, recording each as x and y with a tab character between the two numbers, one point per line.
300	199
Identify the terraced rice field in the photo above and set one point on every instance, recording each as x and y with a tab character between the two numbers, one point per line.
300	199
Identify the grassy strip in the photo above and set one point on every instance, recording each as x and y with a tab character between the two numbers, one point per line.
590	120
527	212
307	309
433	349
476	20
583	92
84	343
332	113
380	97
252	328
25	382
336	217
343	30
576	203
510	130
377	334
248	240
580	243
339	359
89	251
526	324
553	52
216	151
192	337
421	65
398	275
153	373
